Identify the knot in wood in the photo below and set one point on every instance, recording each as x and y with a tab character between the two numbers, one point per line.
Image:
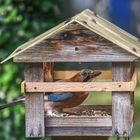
93	20
76	48
134	50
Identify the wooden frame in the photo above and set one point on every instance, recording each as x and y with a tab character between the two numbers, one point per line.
72	86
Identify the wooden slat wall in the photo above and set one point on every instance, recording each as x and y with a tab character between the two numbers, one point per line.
75	45
68	54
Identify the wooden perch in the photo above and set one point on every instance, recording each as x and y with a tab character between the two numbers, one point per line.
77	86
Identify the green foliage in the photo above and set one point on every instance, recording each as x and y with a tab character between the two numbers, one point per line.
20	20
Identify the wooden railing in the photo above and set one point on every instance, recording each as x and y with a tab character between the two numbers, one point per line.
37	87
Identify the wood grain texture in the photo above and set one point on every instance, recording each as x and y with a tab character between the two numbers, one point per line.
78	131
77	86
122	108
75	44
77	121
34	103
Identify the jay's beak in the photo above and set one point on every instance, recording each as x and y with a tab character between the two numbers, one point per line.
96	73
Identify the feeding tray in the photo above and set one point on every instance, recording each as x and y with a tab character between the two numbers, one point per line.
87	120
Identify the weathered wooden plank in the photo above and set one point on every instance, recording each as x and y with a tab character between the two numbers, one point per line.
73	46
50	57
76	121
34	103
72	86
122	109
68	74
78	131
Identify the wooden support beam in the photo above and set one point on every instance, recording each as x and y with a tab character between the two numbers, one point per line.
34	103
72	86
122	107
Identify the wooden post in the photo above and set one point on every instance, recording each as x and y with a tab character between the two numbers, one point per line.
122	104
34	103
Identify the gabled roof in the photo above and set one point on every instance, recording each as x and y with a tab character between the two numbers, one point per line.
95	23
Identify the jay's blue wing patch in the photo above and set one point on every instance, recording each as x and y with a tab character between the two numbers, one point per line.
59	96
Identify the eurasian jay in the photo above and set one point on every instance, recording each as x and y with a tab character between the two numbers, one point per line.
64	100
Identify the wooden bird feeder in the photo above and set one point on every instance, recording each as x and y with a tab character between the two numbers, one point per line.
86	38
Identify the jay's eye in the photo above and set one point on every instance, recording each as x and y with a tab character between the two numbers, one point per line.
84	73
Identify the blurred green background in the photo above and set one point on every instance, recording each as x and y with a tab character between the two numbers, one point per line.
21	20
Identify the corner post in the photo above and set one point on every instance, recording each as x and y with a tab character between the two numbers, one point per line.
34	102
122	102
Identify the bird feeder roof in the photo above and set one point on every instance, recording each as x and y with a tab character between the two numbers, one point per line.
91	21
